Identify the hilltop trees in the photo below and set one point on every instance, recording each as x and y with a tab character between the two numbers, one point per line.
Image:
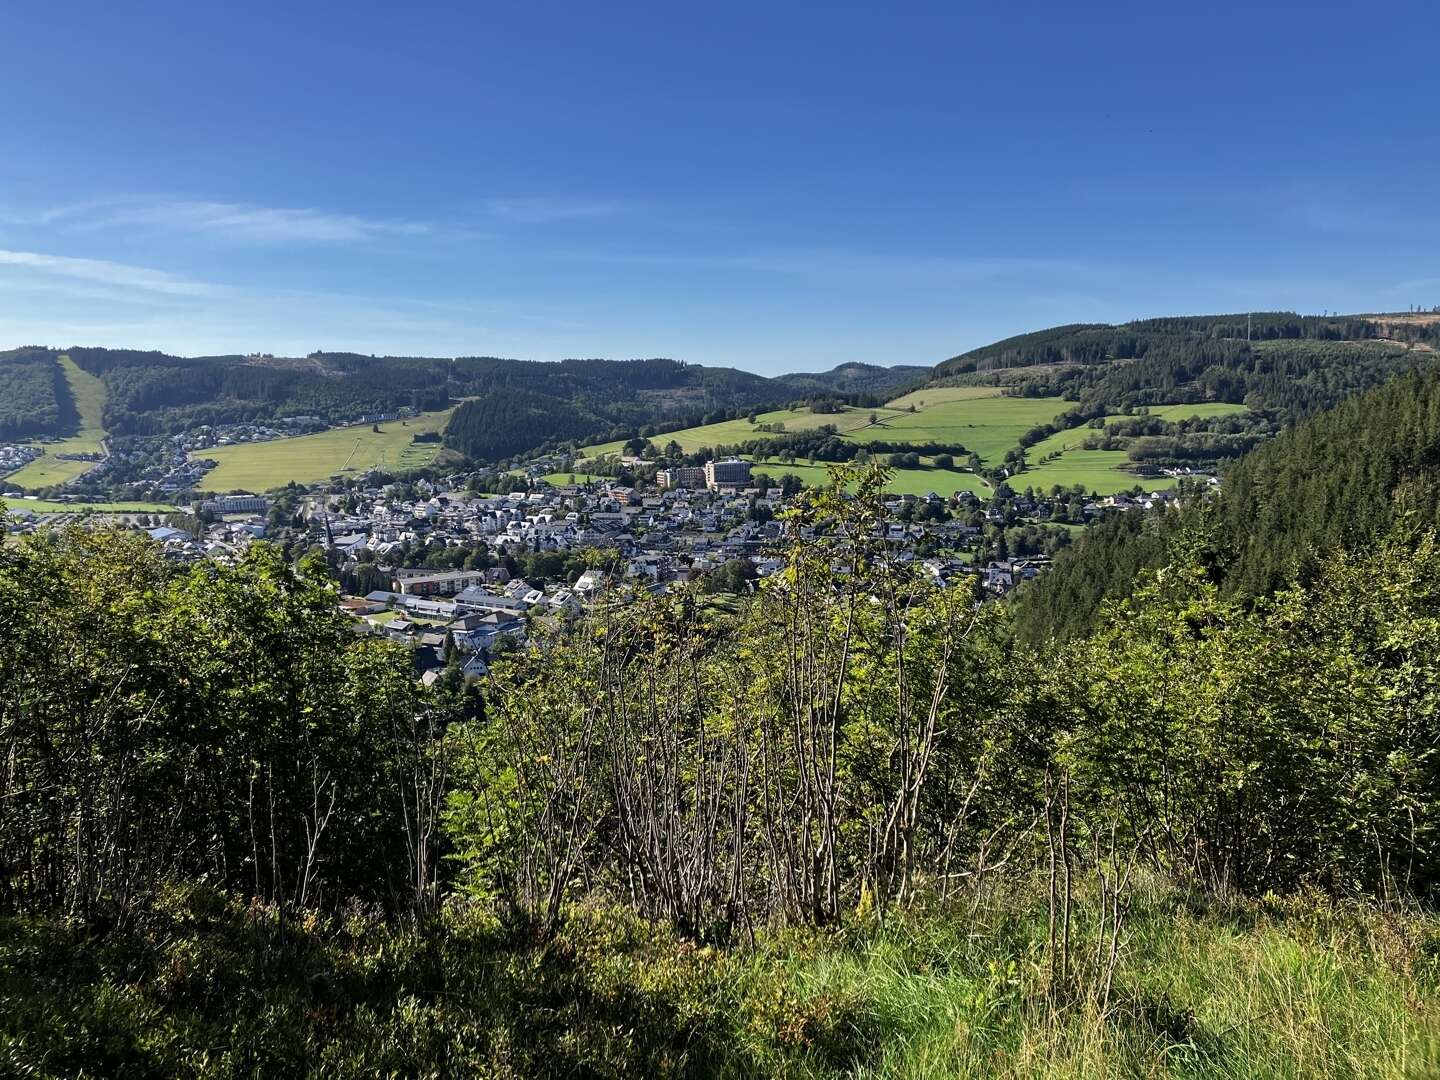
1338	481
213	724
34	397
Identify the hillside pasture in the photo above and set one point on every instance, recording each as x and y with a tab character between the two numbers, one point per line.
1203	409
1091	468
88	393
42	506
734	432
1098	471
561	479
1061	441
928	396
310	459
921	481
987	426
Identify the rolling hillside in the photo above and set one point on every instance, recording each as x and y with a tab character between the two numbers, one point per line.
857	378
308	459
979	419
1341	481
87	402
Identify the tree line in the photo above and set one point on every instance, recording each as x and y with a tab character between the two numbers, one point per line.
1326	485
34	396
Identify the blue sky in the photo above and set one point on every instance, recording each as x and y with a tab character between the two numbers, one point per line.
773	187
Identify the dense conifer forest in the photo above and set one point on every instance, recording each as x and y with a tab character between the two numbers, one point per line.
150	393
34	399
1333	483
1283	367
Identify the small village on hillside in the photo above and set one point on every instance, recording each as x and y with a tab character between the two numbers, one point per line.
444	568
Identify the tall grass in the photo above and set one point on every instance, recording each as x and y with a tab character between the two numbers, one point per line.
204	987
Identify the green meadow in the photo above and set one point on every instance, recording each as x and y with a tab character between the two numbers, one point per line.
732	432
89	394
987	426
1099	471
560	479
1202	409
41	506
1061	441
309	459
903	481
976	417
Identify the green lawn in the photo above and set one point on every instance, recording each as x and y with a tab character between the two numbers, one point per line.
920	481
560	479
89	394
40	506
987	426
1205	409
309	459
937	395
1061	441
1098	470
977	417
733	432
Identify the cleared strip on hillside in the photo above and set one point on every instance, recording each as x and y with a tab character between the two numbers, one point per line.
88	393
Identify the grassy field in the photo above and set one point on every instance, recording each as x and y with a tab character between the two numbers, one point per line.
595	450
560	479
89	394
309	459
40	506
1205	409
977	417
987	426
1066	443
920	481
1276	989
938	395
1098	470
1062	441
732	432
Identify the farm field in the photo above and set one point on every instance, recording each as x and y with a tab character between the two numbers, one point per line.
40	506
1098	470
1204	409
89	394
309	459
559	479
978	417
937	395
1062	441
987	426
1071	438
920	481
732	432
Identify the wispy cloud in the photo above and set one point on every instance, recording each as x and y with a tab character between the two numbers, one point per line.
542	210
240	222
102	271
836	263
1342	212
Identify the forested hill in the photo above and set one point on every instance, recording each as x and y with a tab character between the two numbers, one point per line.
520	404
34	399
1291	363
855	378
149	393
1341	481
